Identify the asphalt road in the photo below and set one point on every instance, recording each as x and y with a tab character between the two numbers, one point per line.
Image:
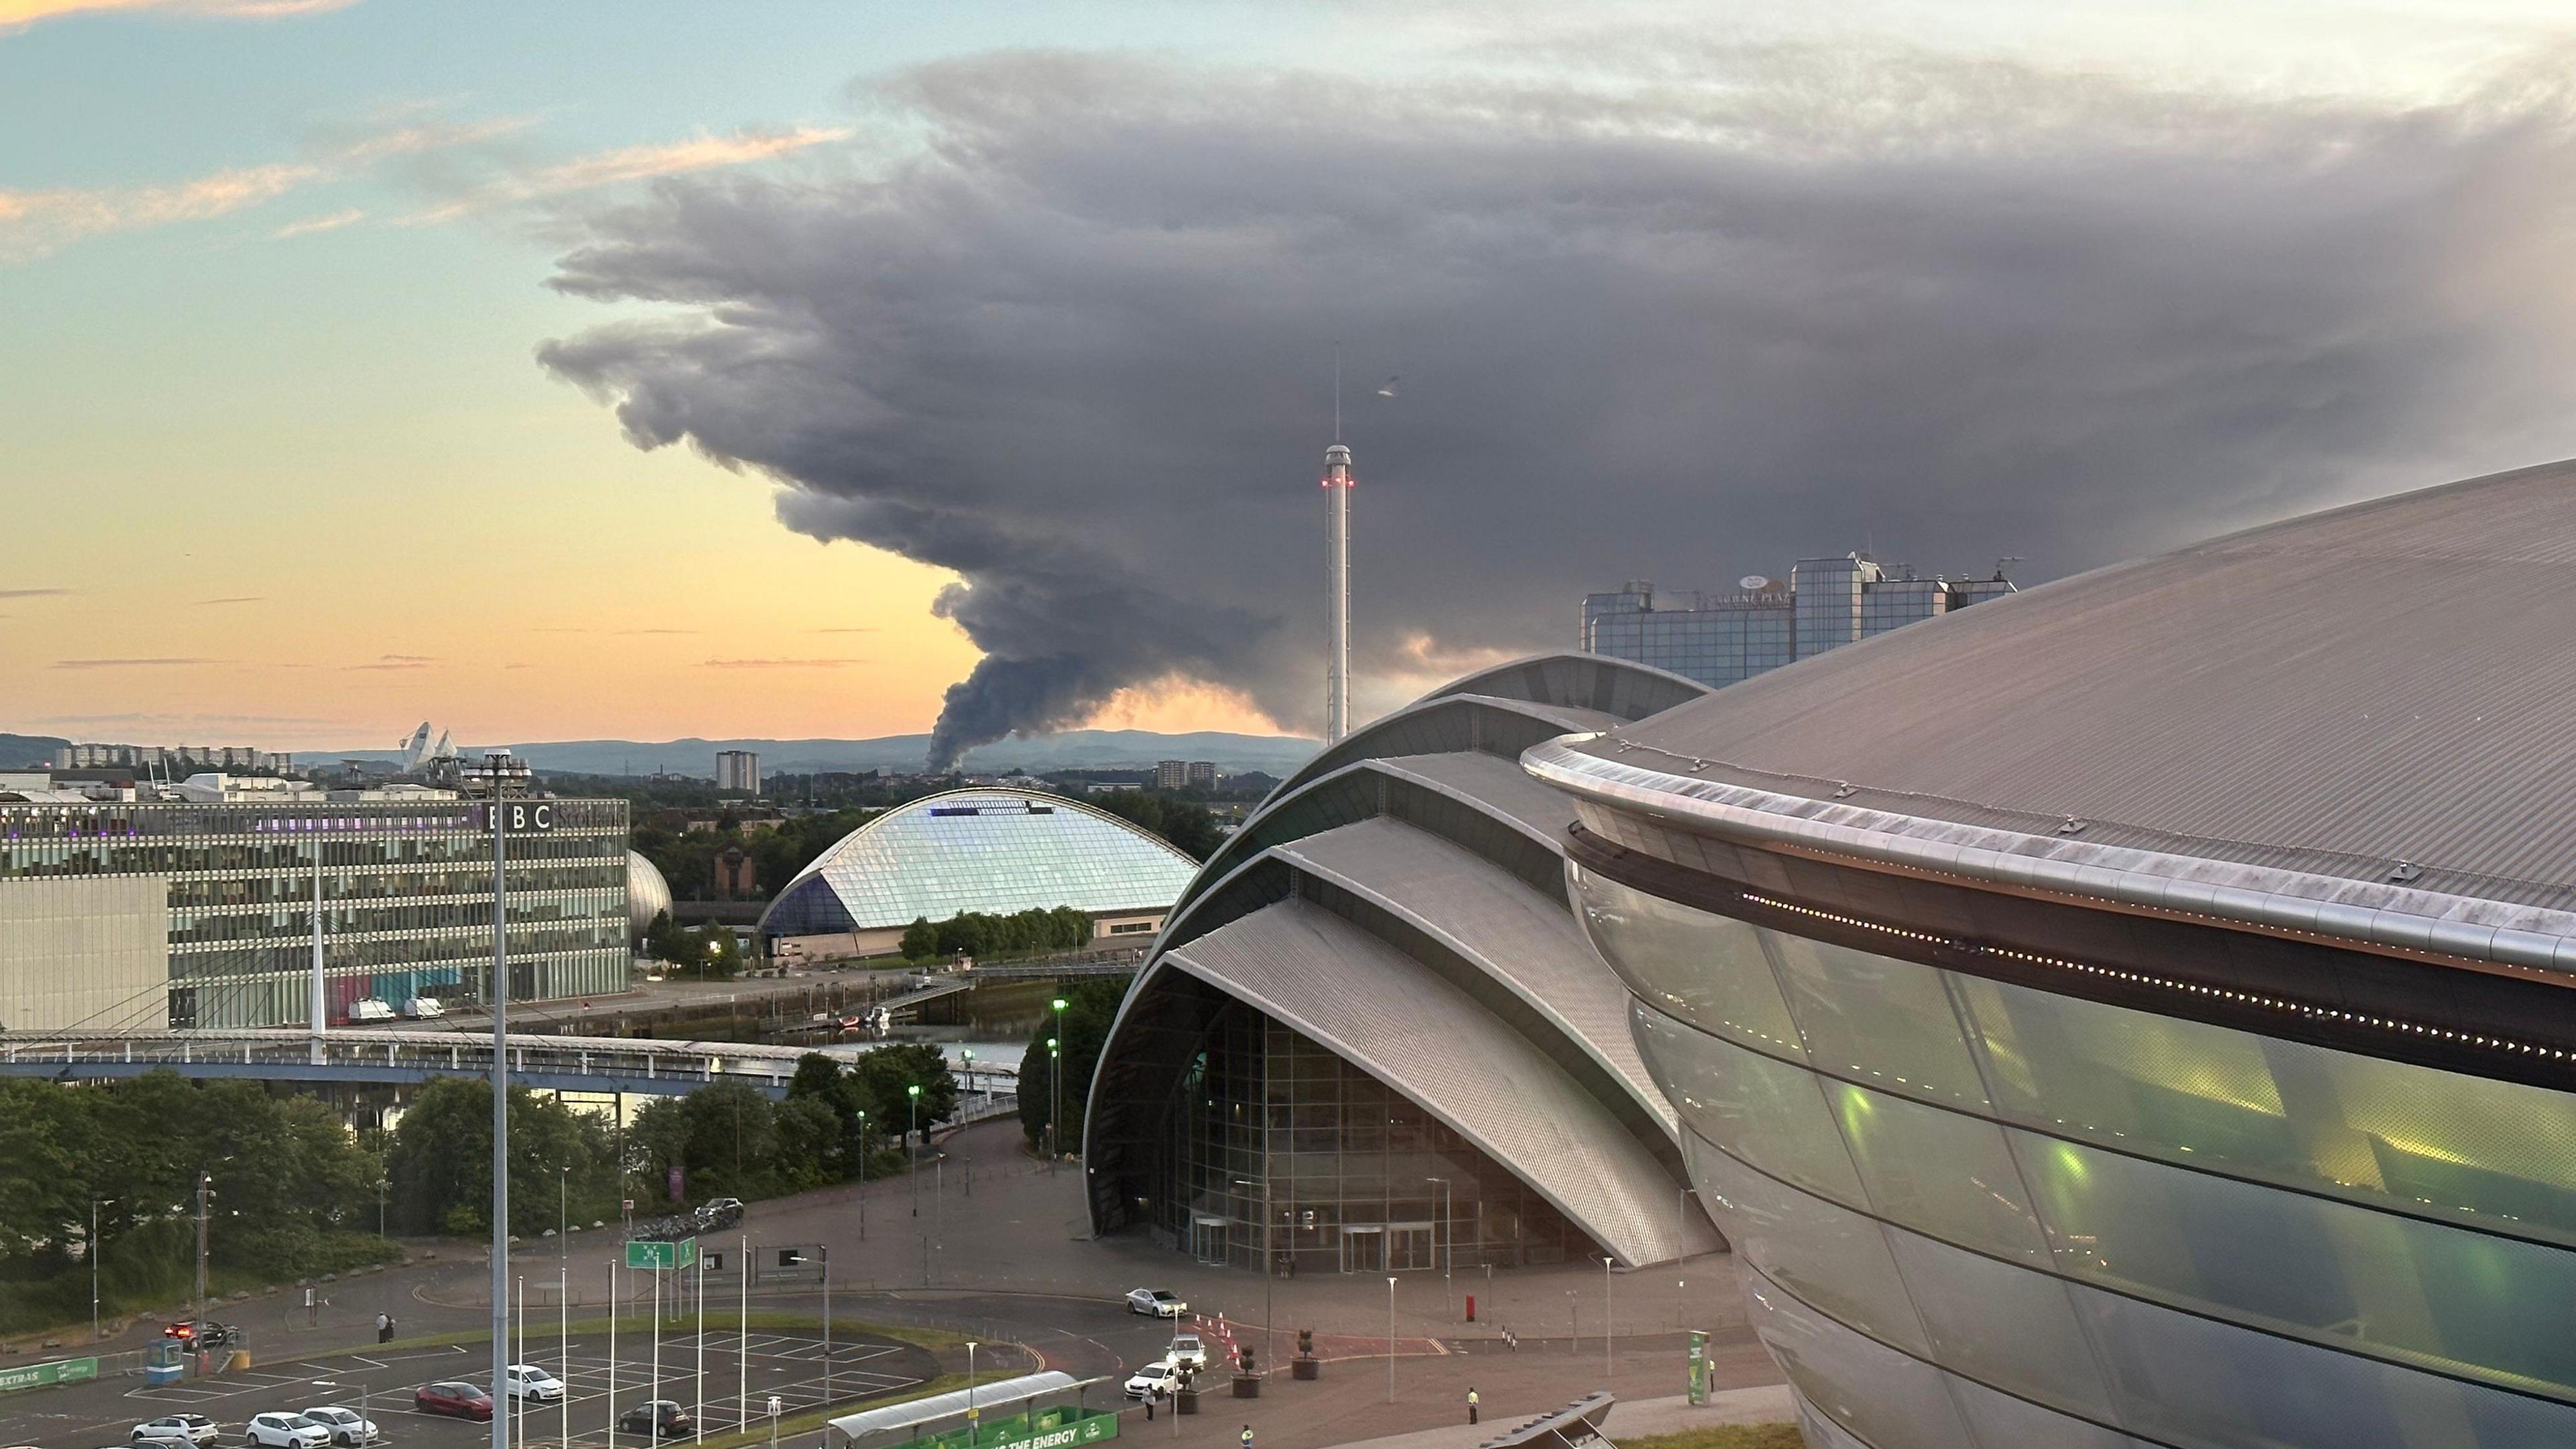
380	1383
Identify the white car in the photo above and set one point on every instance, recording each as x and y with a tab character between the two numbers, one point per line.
346	1426
527	1381
424	1008
1158	1379
287	1431
176	1429
1156	1303
1187	1352
367	1008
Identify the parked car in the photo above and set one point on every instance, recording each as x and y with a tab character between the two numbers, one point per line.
1187	1352
723	1212
674	1420
286	1430
1156	1303
191	1428
455	1400
346	1427
367	1008
527	1381
1159	1379
424	1008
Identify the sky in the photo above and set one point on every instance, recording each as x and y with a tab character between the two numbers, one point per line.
816	369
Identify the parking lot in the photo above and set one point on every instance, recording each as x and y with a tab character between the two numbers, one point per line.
790	1366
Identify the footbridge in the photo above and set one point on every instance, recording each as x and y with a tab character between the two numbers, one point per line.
623	1065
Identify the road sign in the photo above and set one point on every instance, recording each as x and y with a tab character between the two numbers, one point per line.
643	1253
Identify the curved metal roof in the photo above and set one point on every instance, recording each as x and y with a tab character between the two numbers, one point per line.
2379	693
1393	1017
1524	942
993	850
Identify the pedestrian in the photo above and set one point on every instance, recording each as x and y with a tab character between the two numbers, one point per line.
1247	1436
384	1328
1471	1403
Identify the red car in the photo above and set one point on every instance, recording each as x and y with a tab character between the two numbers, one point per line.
456	1400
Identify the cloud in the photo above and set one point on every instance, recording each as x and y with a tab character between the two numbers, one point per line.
656	631
19	14
234	599
130	663
780	663
397	661
1741	306
629	163
33	593
310	225
862	630
36	223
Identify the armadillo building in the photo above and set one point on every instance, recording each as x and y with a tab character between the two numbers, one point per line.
1371	1038
2140	1010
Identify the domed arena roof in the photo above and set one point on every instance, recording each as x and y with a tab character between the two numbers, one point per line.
647	895
2362	711
989	850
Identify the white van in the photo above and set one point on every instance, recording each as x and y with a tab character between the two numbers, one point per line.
424	1008
367	1008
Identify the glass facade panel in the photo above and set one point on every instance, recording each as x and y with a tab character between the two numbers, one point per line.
2464	1302
2135	1286
1831	1257
1889	1399
1348	1174
1707	970
1883	1022
1770	1113
998	851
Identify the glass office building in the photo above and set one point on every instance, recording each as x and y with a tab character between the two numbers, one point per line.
1372	1038
123	917
2144	1020
1719	639
988	850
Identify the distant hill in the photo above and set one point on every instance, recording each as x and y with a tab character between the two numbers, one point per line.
17	751
902	754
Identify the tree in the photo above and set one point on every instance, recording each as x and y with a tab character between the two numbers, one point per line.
882	1076
920	940
440	1167
1190	828
1090	1008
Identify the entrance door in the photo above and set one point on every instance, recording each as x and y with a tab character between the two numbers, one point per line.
1409	1247
1208	1239
1364	1248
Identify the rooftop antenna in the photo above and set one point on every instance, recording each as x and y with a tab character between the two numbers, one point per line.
1337	392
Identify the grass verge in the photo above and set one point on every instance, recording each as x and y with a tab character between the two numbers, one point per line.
1724	1436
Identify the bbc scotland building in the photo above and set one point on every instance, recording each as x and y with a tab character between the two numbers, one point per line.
2137	1011
129	917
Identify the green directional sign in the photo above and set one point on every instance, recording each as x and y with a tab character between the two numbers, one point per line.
42	1375
1698	1384
644	1254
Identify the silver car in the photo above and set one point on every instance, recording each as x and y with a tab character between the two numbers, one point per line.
176	1429
346	1427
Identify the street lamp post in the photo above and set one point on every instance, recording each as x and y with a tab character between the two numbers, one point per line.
90	1251
1269	1270
970	1390
1448	1231
1055	1105
1390	1338
563	1294
912	1124
1609	1326
863	1180
366	1402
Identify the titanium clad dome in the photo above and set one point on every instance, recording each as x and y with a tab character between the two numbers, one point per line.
647	896
990	850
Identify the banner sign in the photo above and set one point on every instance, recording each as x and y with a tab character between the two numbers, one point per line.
642	1253
1060	1428
1698	1367
45	1375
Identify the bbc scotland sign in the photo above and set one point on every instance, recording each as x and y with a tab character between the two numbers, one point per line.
518	817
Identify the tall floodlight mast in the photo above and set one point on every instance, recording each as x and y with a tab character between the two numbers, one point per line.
1337	574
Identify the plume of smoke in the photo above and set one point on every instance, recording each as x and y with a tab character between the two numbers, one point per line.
1073	347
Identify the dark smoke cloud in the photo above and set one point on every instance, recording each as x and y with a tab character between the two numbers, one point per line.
1756	305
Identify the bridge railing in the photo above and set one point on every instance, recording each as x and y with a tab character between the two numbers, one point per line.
598	1057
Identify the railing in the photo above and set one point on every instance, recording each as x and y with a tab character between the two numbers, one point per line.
412	1052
